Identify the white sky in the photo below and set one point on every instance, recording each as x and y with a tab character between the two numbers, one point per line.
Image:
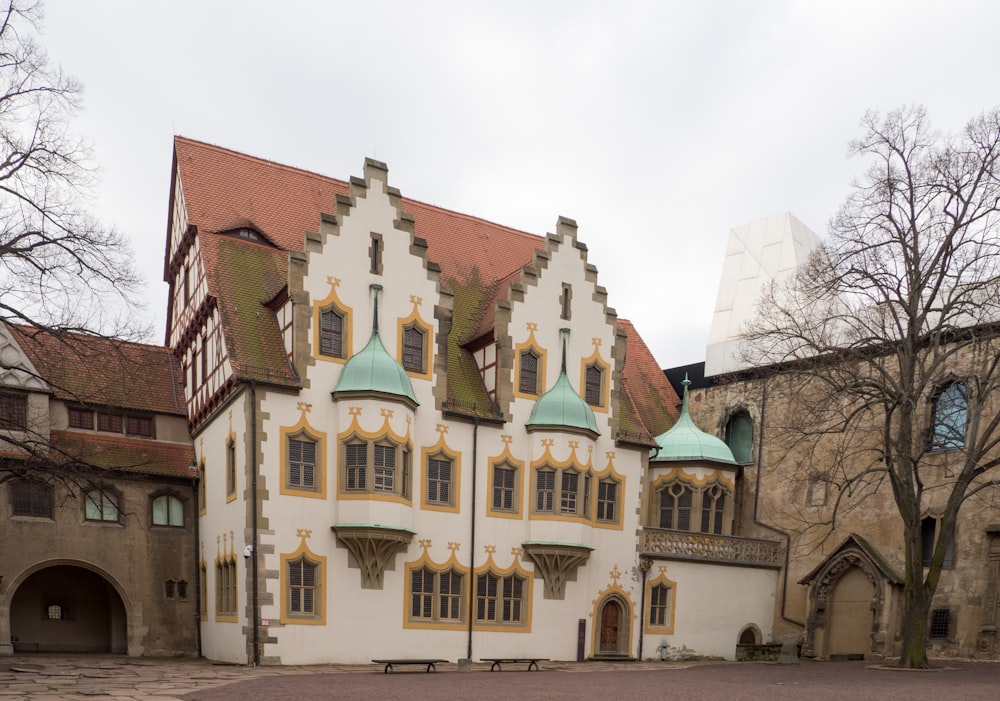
657	125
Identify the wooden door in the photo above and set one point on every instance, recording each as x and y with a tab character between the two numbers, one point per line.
849	631
611	616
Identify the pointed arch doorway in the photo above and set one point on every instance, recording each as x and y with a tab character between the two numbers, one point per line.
614	624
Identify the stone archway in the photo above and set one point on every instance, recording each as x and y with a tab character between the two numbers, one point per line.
67	608
850	618
849	603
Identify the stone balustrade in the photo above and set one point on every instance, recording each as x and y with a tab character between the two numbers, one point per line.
721	549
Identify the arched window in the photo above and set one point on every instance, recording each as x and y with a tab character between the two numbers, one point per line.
331	333
713	509
659	606
303	588
413	349
675	507
527	381
739	436
436	596
594	384
951	416
168	510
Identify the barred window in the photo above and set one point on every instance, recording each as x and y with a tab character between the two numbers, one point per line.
377	468
81	418
31	498
331	333
413	349
528	373
13	411
500	599
439	480
593	384
504	487
303	588
301	463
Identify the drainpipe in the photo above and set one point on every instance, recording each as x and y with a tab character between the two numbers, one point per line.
197	564
756	502
644	566
472	535
255	611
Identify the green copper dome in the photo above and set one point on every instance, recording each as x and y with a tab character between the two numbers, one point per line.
374	370
685	441
562	407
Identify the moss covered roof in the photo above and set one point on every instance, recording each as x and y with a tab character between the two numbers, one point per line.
105	371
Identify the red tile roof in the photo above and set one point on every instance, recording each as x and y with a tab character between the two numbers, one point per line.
223	187
105	372
650	403
127	454
224	190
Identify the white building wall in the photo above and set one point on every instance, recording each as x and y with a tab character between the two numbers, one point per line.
713	604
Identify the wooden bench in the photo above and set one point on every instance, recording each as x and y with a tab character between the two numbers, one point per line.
499	661
389	664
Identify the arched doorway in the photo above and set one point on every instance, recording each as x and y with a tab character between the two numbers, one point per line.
65	608
849	632
614	625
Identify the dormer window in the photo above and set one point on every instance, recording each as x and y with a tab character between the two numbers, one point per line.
248	234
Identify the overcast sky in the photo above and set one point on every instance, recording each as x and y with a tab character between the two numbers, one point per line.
658	126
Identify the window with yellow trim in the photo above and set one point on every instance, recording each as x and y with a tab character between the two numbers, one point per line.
202	488
504	488
436	596
684	507
375	467
608	492
440	480
659	606
304	591
593	392
301	472
331	332
527	375
225	587
414	349
230	467
561	491
501	599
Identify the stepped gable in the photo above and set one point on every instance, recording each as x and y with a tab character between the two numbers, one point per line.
283	203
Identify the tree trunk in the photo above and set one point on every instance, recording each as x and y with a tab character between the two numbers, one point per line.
916	603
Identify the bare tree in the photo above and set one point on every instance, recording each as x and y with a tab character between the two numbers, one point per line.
59	268
62	274
885	344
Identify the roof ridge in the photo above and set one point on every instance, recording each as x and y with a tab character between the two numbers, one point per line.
258	159
94	337
305	171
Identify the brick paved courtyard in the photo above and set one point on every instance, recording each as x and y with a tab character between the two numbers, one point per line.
48	678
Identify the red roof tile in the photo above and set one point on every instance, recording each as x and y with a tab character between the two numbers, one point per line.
128	454
105	372
651	402
222	187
